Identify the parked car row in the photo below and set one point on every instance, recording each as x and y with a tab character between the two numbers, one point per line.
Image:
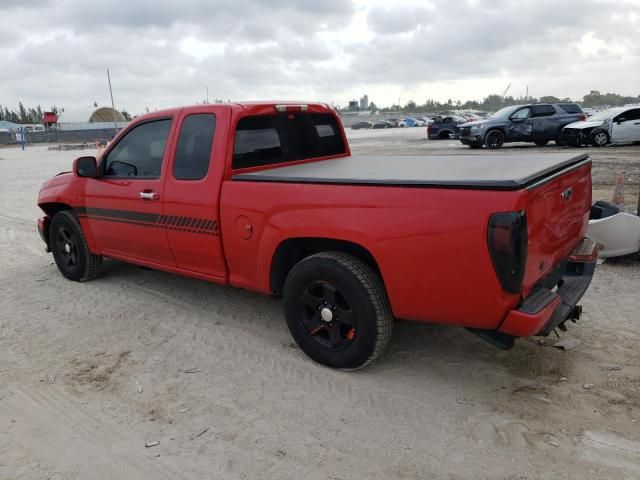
564	123
538	123
393	123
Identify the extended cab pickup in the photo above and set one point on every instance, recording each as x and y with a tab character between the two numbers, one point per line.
267	197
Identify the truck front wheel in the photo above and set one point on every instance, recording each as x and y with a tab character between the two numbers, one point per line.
70	250
337	310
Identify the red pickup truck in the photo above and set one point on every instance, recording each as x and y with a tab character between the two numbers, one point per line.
267	197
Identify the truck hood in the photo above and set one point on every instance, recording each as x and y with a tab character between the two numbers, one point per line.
61	178
584	124
52	189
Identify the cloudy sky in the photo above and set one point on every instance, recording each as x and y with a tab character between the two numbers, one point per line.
164	53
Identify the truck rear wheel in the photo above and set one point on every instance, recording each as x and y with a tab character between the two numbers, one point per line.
337	310
70	250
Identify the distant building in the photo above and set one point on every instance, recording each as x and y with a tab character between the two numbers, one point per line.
353	105
6	126
49	119
106	114
364	102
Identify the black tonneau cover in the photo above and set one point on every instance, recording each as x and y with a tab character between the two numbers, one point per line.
483	171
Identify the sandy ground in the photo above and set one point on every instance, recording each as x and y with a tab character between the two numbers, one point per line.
91	372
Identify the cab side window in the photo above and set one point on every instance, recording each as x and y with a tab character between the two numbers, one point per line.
140	152
193	152
633	114
522	113
543	110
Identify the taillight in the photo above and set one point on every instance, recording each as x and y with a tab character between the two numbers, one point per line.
508	248
582	117
429	129
291	108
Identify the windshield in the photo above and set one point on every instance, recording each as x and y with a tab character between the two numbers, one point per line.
602	116
504	113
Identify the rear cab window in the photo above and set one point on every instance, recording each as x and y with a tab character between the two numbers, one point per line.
286	137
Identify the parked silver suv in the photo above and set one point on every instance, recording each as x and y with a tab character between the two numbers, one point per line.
538	123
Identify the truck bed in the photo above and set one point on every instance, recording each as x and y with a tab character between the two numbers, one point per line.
483	171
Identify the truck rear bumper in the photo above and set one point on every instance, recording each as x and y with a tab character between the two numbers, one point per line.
546	309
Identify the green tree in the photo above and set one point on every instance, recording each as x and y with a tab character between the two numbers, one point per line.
22	113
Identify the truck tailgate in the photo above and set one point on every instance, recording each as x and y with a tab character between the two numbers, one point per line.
557	211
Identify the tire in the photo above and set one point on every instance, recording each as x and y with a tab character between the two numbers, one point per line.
70	250
599	138
446	135
494	139
541	143
337	310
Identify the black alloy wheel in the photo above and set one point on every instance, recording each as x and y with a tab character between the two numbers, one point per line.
327	315
70	249
494	139
337	310
66	248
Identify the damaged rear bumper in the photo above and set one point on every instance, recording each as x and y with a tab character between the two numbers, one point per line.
547	308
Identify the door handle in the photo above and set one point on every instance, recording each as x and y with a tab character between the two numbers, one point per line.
148	195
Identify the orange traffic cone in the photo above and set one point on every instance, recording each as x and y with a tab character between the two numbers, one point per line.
618	193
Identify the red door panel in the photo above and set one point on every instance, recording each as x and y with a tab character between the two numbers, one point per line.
192	190
124	223
124	205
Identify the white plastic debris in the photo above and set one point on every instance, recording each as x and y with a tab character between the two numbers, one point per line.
567	343
618	234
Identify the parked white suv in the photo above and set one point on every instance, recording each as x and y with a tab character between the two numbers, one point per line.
616	125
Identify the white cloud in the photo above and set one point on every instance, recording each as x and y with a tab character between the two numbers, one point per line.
165	52
198	49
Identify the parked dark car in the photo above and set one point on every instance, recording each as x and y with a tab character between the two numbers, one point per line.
395	122
538	123
383	124
444	127
360	125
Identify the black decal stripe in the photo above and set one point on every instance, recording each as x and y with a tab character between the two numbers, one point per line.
122	214
118	220
167	222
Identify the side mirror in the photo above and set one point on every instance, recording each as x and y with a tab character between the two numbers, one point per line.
85	167
620	120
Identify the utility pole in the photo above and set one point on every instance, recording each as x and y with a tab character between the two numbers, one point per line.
207	95
113	107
